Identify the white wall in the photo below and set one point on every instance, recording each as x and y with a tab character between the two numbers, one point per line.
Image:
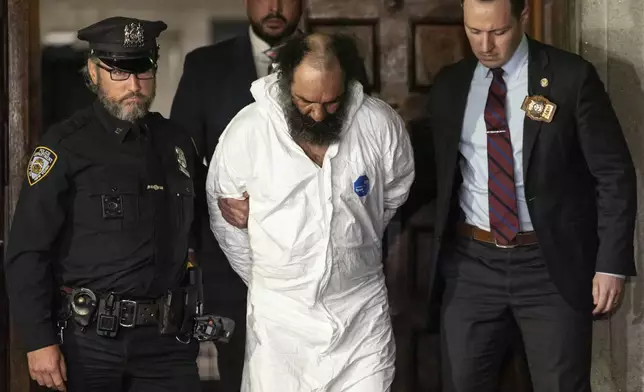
612	37
188	28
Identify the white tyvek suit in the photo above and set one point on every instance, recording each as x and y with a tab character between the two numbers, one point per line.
311	257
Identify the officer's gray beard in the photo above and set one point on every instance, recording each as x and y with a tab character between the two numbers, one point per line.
305	129
126	112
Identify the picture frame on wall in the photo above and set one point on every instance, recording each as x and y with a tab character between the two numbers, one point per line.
365	33
434	44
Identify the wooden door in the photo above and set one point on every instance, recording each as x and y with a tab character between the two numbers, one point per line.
4	108
404	44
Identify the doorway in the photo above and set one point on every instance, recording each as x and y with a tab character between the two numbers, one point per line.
404	44
4	110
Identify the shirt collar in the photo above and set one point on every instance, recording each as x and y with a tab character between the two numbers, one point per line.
113	126
512	67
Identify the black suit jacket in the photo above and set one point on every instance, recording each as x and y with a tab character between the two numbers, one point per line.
579	177
214	87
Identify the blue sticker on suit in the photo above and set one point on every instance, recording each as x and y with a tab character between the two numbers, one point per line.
361	186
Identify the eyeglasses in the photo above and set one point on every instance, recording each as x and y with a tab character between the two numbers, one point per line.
119	75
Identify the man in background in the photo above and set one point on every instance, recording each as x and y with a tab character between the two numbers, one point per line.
215	86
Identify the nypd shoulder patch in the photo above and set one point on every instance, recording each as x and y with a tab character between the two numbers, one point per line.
42	161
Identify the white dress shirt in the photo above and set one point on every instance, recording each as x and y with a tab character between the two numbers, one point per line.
473	145
262	61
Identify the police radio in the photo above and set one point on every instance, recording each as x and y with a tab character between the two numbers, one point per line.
107	324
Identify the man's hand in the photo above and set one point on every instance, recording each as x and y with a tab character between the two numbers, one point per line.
607	293
235	211
47	367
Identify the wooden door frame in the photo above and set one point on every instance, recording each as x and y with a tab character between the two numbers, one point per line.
4	109
23	97
555	22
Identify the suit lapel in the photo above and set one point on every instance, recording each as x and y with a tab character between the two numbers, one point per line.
244	68
537	71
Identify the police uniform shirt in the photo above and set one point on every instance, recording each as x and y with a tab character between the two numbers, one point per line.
106	205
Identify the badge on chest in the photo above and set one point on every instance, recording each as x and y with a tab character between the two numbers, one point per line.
181	160
539	108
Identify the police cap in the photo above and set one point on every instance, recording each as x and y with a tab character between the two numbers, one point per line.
125	43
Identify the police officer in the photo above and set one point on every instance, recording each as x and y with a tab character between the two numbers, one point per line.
105	215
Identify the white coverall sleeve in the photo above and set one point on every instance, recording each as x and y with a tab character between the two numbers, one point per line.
399	165
227	179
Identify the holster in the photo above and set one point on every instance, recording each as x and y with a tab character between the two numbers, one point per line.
176	317
181	306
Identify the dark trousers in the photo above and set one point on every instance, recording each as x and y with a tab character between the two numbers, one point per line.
138	359
488	293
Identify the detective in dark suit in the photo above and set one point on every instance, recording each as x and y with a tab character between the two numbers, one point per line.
535	208
215	86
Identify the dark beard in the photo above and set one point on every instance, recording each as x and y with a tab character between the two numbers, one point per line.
304	129
274	40
116	108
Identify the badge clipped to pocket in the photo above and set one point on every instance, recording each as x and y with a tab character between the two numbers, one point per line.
181	160
539	108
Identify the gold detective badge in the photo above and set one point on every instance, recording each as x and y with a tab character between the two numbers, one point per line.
539	108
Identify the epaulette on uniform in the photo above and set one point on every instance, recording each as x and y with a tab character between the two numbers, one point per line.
68	127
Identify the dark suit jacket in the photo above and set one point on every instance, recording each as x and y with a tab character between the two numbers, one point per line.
579	177
214	87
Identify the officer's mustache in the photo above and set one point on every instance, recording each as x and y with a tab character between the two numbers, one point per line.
133	95
275	15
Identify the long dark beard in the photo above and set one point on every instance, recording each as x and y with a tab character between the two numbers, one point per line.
117	108
304	129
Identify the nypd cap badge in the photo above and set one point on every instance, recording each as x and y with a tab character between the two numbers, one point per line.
134	36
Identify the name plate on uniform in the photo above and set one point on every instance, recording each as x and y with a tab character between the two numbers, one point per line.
539	108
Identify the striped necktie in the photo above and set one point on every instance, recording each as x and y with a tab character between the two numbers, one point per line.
504	217
271	53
